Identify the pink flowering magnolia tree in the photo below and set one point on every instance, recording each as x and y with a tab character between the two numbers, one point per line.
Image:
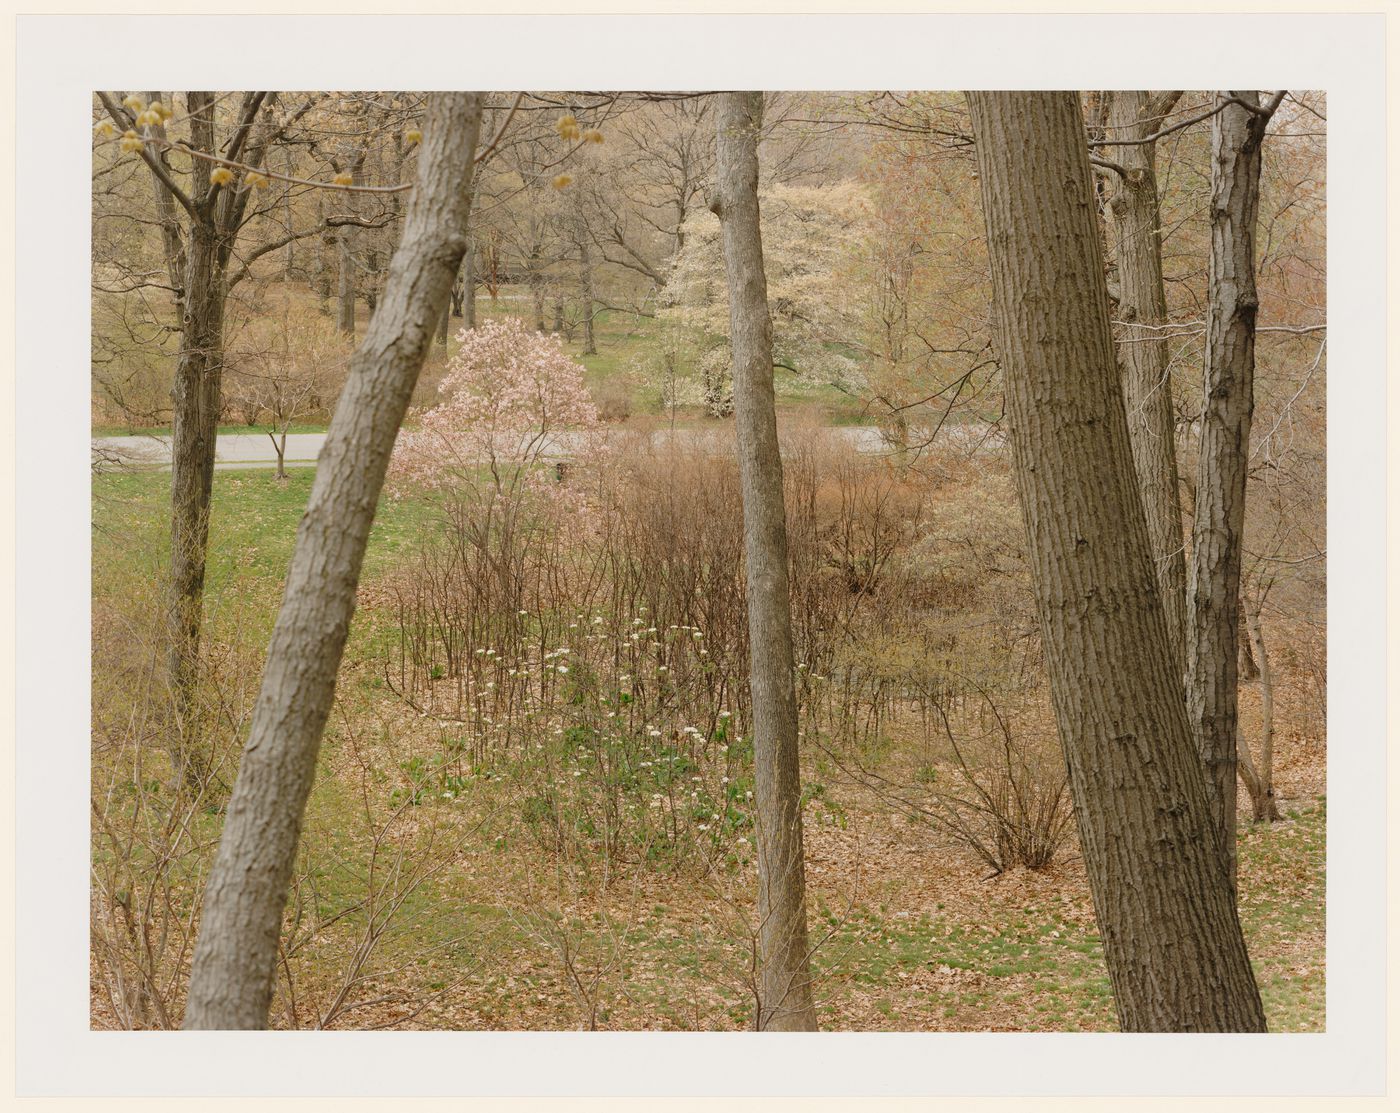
512	399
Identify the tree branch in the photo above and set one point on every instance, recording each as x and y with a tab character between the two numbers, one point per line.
500	131
330	222
128	123
1094	160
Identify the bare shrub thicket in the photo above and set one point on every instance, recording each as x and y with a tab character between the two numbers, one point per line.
585	640
153	835
284	362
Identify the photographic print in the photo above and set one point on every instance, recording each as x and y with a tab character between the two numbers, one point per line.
636	557
709	560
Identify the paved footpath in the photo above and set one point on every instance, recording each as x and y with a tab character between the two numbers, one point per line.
232	450
255	450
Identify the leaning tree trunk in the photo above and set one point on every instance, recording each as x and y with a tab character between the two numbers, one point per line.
234	963
1135	236
1223	467
1172	941
784	985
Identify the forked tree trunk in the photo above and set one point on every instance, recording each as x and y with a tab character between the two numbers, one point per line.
234	962
784	976
189	498
1172	941
197	398
1135	237
1223	467
279	446
197	259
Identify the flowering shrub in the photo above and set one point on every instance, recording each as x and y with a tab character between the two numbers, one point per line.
807	241
512	399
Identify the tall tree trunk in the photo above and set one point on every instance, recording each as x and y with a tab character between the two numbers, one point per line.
1172	941
197	400
785	989
585	267
287	216
1259	778
234	962
347	241
345	289
1135	236
536	278
370	237
197	262
323	266
197	397
469	284
1223	467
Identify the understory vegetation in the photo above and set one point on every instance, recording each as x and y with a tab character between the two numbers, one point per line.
535	802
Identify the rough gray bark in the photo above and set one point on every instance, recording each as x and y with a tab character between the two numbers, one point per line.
1222	470
784	976
1135	239
234	963
1172	941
